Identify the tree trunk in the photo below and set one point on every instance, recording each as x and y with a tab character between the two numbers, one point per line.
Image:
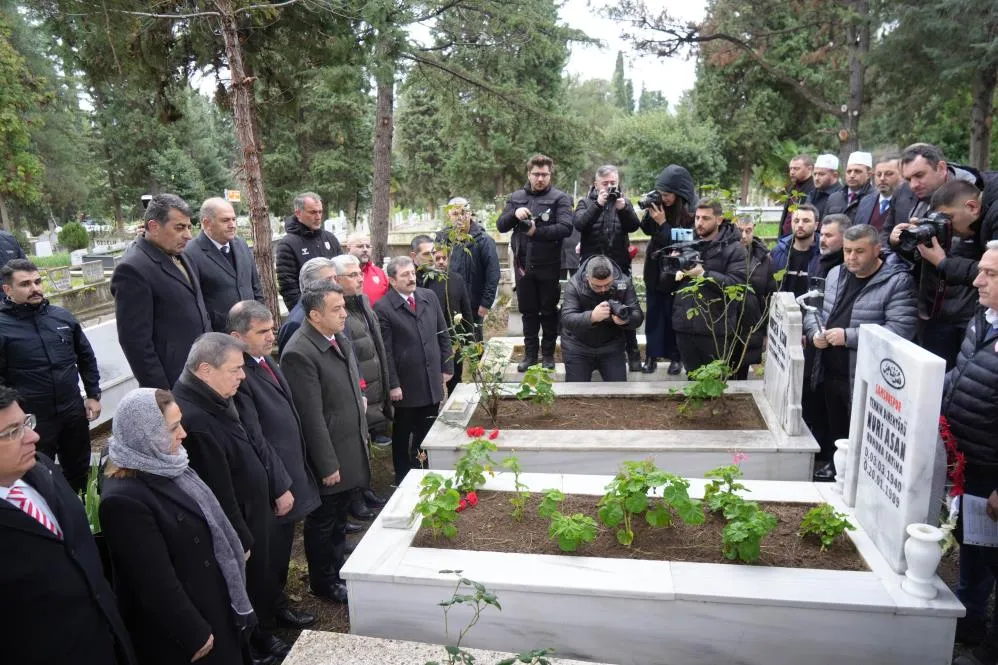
746	180
858	36
383	129
983	91
4	215
243	110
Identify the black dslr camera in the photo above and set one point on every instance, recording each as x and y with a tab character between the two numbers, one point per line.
612	194
621	310
935	225
652	198
681	256
524	226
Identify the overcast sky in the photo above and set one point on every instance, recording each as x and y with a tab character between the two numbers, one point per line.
671	76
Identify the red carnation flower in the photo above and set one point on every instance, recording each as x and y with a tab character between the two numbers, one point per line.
472	499
494	434
476	432
461	506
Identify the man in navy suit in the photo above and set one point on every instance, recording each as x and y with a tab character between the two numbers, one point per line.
157	296
224	262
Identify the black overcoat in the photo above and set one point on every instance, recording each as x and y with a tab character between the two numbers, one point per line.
222	284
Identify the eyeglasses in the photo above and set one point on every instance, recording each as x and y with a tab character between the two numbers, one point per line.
17	431
353	274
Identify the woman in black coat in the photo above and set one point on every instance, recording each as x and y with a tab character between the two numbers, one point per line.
178	563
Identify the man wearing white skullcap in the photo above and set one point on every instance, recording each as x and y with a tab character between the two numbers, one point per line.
859	167
826	182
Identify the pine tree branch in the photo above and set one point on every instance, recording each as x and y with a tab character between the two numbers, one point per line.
178	17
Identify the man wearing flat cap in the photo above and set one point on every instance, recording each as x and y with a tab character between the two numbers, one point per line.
859	169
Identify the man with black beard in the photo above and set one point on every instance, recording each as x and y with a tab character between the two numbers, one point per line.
829	246
826	182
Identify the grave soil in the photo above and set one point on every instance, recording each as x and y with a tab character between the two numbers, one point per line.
640	412
489	527
518	353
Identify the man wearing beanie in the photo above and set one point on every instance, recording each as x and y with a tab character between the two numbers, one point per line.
826	182
846	201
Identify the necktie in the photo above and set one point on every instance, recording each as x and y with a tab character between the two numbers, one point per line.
852	197
333	344
225	249
19	499
181	267
884	203
263	364
229	254
412	303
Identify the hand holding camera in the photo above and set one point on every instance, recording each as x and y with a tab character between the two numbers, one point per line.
612	309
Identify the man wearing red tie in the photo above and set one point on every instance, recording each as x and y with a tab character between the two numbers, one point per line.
321	370
58	606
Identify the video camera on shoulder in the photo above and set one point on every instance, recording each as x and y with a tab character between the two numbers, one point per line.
681	256
524	225
936	225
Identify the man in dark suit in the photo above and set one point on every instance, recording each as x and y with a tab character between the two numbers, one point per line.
267	410
157	296
893	203
58	606
325	384
224	263
418	349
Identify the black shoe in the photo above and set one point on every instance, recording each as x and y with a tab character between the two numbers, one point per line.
675	367
824	473
289	618
354	528
257	658
268	643
334	593
634	364
651	364
526	363
970	631
348	548
547	362
373	500
359	509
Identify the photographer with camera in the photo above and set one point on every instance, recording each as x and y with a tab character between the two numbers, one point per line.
667	213
604	218
600	309
718	256
945	301
540	217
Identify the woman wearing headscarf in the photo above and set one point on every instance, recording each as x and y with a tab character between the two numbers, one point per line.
674	210
178	564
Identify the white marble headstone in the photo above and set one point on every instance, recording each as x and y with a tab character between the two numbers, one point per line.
784	377
896	467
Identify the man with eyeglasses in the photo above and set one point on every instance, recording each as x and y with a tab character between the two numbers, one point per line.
59	607
43	354
375	279
540	217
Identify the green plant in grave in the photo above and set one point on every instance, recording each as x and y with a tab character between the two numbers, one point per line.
437	505
549	504
537	385
826	523
571	531
627	497
91	499
747	526
520	493
719	494
471	467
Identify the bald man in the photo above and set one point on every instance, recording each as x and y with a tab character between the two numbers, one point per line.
224	263
375	279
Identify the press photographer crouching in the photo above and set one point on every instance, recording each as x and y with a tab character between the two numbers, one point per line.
719	257
600	307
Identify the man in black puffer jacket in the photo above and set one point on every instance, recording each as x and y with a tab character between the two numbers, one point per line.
43	354
970	405
759	266
305	239
703	336
540	217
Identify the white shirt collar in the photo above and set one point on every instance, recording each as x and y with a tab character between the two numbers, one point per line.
405	297
218	246
991	316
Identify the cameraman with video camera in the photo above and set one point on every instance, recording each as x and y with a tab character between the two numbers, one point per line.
600	309
719	256
540	217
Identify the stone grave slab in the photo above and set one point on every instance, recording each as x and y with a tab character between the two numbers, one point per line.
93	271
76	256
43	248
60	279
895	467
784	377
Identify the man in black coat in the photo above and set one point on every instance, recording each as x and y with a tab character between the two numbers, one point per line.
304	239
894	200
43	354
418	348
540	217
9	248
846	201
58	606
798	190
268	412
158	303
224	263
593	337
242	471
826	182
603	220
755	307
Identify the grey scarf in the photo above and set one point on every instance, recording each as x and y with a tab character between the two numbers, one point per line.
140	441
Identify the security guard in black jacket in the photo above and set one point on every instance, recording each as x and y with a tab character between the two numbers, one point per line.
43	354
540	217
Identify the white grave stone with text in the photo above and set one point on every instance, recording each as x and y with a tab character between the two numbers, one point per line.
43	248
93	271
896	467
784	377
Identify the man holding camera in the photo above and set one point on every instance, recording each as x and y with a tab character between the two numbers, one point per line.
600	309
720	258
540	217
604	218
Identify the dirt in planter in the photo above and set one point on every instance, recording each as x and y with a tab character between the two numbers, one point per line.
518	353
489	527
735	412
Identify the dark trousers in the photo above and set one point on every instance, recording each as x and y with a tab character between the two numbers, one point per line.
458	372
942	339
978	571
814	411
281	542
581	361
261	583
838	407
631	337
537	297
67	435
696	350
411	425
325	540
659	335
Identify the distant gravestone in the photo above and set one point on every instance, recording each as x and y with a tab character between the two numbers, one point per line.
895	467
60	279
76	257
784	376
93	271
43	248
